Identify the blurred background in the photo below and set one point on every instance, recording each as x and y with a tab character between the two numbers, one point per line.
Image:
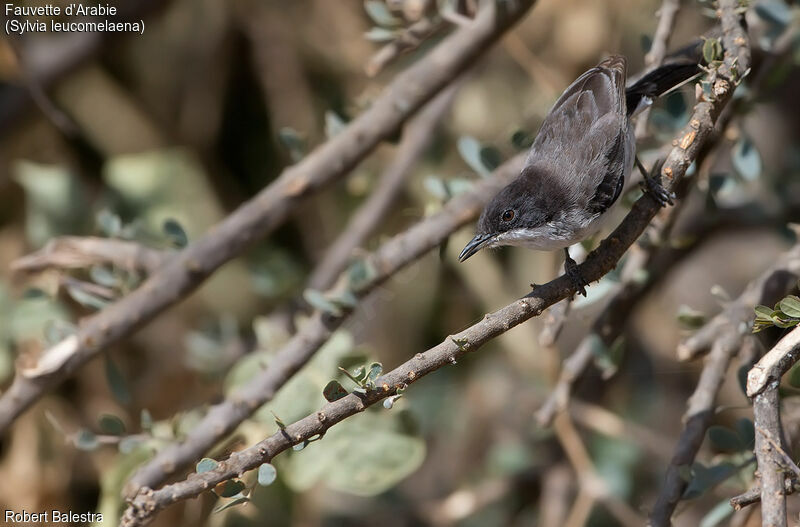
156	137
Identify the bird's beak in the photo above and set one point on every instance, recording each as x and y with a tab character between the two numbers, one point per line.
475	244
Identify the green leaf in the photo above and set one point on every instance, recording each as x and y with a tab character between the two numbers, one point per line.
747	433
278	421
319	301
690	318
175	233
741	376
334	391
774	11
333	124
712	49
103	275
790	306
373	372
145	419
293	142
764	313
380	34
715	516
234	503
470	150
116	382
521	140
490	158
794	376
436	187
111	424
129	444
266	474
85	298
359	273
86	440
705	478
724	439
109	223
746	159
380	14
229	488
206	464
57	330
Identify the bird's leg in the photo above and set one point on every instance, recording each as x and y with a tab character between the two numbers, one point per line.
571	268
651	183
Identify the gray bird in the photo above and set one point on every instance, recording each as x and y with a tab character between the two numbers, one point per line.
578	164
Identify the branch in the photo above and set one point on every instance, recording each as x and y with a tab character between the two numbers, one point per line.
417	136
753	495
145	505
762	384
262	214
74	252
408	40
390	258
766	412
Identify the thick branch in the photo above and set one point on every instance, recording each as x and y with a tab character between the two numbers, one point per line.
262	214
687	147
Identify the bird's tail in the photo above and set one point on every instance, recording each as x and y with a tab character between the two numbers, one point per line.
659	81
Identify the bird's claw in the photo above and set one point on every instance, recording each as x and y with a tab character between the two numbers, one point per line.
571	270
651	184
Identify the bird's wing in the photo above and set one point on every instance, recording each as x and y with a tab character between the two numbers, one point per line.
583	142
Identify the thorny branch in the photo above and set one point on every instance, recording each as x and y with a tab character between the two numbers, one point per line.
146	504
263	213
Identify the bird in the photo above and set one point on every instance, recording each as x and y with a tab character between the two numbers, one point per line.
578	164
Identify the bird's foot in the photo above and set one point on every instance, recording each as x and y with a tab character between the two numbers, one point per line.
651	184
571	269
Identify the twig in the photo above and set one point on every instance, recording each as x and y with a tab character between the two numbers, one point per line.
417	136
409	39
753	495
658	50
74	252
145	505
262	214
391	257
592	486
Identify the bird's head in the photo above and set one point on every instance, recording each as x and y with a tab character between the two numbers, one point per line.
517	215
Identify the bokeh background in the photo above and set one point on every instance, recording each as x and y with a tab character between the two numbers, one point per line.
114	135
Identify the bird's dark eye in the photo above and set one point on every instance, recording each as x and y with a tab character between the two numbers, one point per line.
508	215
